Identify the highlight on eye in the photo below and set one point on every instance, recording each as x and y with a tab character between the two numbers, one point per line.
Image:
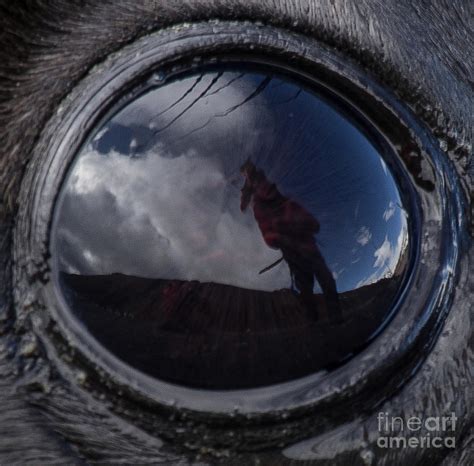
232	227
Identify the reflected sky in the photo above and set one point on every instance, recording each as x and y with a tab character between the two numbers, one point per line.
156	191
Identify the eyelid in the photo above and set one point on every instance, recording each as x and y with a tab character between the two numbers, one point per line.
105	372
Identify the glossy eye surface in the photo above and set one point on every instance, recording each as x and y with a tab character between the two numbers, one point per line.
230	227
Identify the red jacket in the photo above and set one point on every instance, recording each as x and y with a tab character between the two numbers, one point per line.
283	222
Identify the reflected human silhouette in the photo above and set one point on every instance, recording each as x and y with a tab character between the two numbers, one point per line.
289	227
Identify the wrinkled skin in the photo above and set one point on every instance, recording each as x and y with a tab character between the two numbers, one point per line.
420	50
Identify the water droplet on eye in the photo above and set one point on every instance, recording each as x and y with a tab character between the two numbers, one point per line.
259	236
39	320
81	377
367	457
157	78
28	346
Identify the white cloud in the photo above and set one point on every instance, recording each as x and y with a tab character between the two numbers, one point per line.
389	211
383	254
386	258
384	166
173	215
183	212
364	236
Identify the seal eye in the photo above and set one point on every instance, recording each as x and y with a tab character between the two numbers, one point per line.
232	226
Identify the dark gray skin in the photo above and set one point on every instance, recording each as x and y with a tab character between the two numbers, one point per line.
420	50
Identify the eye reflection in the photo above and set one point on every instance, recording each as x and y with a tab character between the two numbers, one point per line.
233	227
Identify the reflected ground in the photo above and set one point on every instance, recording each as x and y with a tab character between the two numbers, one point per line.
231	228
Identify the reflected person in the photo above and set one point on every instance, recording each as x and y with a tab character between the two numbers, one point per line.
289	227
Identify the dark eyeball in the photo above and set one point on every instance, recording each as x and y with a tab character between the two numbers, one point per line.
232	226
